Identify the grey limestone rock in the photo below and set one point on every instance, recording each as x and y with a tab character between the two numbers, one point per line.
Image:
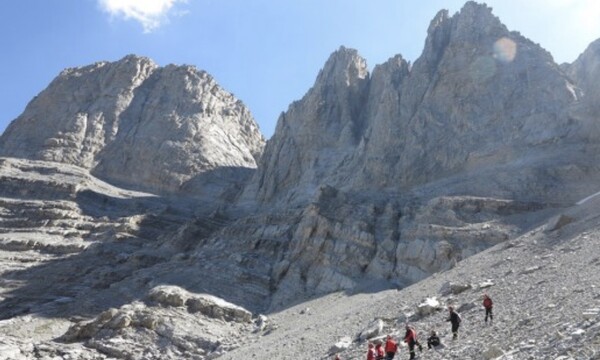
317	132
134	123
478	101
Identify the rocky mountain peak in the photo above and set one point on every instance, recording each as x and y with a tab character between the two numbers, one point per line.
344	67
478	13
585	71
137	124
316	132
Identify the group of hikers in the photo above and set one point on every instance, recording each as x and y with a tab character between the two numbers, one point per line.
387	351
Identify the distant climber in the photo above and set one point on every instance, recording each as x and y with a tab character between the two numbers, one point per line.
455	320
379	350
391	347
410	338
337	357
488	304
433	341
371	353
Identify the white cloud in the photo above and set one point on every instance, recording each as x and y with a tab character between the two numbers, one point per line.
150	13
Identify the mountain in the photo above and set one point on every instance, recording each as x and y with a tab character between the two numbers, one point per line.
479	98
417	166
139	125
141	218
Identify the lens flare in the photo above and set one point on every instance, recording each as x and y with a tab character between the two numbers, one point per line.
505	49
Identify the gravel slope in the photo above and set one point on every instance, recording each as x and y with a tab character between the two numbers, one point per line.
545	287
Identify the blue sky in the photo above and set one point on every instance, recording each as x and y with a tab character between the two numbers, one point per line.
266	52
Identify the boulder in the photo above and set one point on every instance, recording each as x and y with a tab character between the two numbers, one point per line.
217	308
343	344
429	306
454	288
558	222
492	352
168	296
372	330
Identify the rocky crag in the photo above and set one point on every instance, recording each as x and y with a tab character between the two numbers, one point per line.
417	166
170	129
140	216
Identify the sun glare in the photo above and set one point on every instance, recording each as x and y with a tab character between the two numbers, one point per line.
505	49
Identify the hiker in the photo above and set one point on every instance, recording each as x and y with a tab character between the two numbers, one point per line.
488	304
371	353
391	347
337	357
433	341
379	350
410	338
455	320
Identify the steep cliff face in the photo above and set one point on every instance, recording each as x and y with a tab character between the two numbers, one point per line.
317	133
401	174
479	96
136	124
77	114
586	70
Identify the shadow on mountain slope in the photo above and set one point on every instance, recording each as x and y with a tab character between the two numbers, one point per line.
118	239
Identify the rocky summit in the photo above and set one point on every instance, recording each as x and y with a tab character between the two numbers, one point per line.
143	216
130	122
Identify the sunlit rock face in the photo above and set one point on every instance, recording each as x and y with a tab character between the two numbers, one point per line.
136	124
585	72
480	96
401	173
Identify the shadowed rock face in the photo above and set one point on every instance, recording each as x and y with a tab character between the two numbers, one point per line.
136	124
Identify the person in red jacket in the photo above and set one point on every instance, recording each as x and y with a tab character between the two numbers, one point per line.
488	304
371	353
379	350
411	339
391	347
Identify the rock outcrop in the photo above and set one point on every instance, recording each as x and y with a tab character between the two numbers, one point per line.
585	70
403	173
170	129
317	133
477	101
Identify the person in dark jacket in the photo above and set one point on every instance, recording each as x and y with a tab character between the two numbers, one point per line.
488	304
433	340
410	338
455	320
